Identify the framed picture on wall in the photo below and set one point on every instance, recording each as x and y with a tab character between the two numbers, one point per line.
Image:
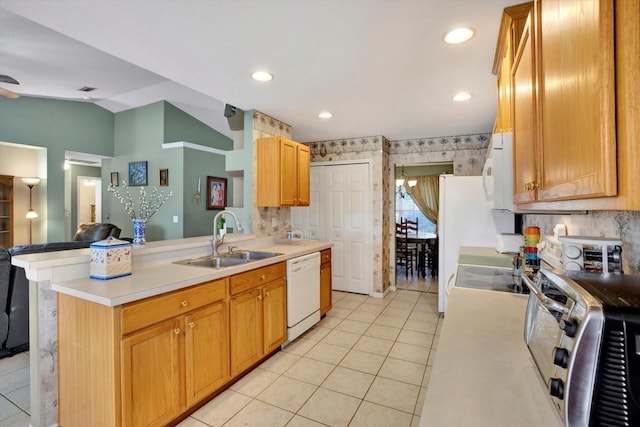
137	174
216	193
114	179
164	177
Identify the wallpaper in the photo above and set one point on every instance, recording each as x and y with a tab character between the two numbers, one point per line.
623	225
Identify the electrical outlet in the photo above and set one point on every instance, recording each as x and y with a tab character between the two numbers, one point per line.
175	219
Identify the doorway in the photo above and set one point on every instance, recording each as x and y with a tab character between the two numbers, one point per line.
89	190
340	212
422	279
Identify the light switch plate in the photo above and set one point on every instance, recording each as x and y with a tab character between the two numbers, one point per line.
175	219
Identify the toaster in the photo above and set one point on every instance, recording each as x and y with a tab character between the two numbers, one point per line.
509	242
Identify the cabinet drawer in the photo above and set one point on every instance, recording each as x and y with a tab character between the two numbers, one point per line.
151	310
245	281
325	256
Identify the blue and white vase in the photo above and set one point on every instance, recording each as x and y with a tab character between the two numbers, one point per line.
138	232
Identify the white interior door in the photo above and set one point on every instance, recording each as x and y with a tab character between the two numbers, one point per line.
340	212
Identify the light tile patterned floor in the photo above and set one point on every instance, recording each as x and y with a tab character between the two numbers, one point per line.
367	363
14	391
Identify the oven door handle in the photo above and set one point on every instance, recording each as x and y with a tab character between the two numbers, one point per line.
547	302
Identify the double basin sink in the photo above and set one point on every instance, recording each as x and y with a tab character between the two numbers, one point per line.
228	260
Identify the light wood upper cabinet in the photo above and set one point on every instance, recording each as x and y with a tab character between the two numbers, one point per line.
283	169
511	28
576	99
584	121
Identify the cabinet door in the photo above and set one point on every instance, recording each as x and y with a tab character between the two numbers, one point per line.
304	171
151	375
523	119
288	172
275	315
207	351
246	330
325	288
577	99
503	120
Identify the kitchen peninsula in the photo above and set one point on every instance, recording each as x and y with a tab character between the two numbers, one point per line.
104	319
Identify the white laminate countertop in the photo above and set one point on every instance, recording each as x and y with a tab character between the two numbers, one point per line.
155	278
483	374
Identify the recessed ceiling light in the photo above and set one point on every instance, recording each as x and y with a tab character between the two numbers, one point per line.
462	96
325	115
458	35
262	76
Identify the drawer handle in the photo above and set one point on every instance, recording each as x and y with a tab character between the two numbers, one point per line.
263	277
176	331
260	297
184	303
268	294
192	325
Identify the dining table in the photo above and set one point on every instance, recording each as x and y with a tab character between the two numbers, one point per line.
428	252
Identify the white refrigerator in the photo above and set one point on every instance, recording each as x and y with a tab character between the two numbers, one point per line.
465	218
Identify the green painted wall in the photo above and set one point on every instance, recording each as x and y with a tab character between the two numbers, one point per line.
180	126
57	126
138	136
198	221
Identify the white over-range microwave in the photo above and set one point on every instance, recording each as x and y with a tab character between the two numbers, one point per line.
497	174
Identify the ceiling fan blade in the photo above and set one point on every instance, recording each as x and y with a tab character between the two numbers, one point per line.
7	79
8	94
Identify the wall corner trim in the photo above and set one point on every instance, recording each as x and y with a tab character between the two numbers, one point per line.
191	145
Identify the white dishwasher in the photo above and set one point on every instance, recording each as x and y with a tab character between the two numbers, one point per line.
303	294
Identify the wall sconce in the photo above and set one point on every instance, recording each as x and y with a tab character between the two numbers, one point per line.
400	184
31	214
197	195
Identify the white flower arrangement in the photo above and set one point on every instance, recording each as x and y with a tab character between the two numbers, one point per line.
146	208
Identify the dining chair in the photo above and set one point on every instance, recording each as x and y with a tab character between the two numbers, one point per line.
404	255
418	257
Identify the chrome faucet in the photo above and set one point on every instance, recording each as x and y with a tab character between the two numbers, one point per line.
217	240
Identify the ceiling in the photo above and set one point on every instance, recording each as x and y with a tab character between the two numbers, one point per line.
379	66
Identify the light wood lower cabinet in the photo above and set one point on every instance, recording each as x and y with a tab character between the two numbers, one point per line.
258	315
151	377
148	362
325	281
143	363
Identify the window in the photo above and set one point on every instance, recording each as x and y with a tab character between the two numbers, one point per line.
406	208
